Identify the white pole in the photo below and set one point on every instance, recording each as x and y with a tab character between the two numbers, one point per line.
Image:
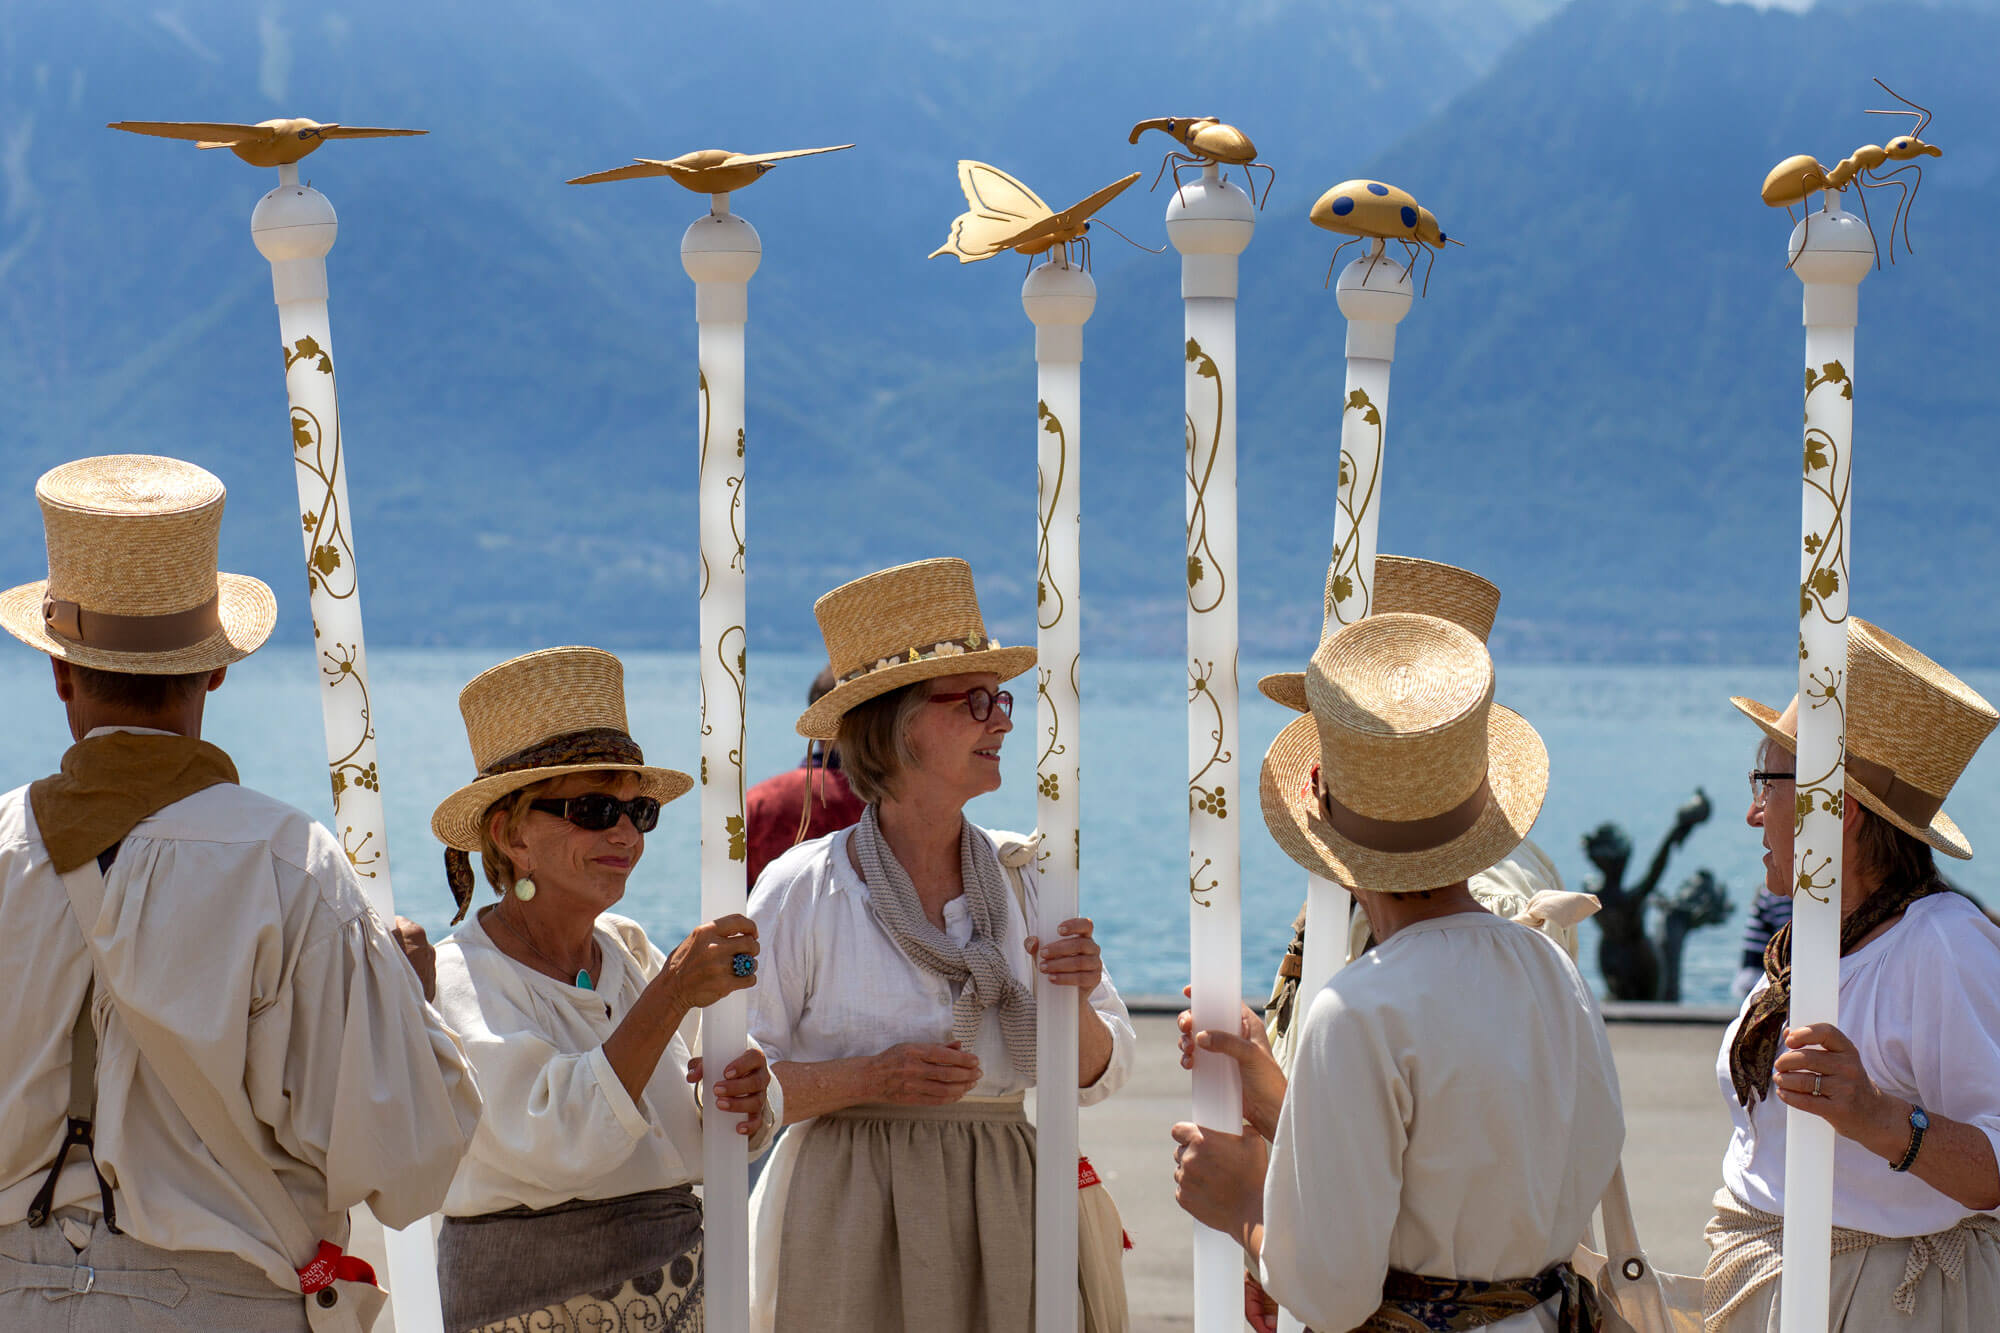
1374	293
1833	253
1210	222
720	252
1059	299
294	227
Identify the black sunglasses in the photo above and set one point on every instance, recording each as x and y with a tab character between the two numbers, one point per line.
596	811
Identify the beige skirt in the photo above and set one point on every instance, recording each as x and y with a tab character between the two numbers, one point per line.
1943	1283
881	1218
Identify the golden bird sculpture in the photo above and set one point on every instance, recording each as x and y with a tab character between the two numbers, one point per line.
1003	214
269	143
706	171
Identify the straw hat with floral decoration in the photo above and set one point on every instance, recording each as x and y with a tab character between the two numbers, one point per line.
1405	775
132	584
558	711
1912	727
1405	583
901	625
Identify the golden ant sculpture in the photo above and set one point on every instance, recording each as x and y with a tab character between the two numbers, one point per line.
706	170
269	143
1371	210
1208	141
1797	178
1003	214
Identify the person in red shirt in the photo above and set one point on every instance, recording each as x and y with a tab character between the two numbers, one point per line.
806	802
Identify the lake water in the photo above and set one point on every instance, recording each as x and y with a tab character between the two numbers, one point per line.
1626	743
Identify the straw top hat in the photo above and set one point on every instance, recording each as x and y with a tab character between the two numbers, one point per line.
132	582
1405	583
1405	775
1912	727
561	710
909	623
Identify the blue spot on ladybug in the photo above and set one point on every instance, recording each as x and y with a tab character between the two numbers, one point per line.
1377	188
1409	216
1342	206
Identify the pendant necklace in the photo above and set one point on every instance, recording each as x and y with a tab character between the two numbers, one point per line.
582	982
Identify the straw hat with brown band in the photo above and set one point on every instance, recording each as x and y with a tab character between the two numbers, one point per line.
1405	775
561	710
910	623
132	583
1405	583
1912	727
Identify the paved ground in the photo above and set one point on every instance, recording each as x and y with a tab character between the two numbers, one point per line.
1675	1126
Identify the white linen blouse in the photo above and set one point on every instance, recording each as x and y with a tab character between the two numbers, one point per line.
559	1124
1921	1003
1453	1111
833	985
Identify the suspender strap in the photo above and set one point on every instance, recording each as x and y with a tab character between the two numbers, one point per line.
82	1110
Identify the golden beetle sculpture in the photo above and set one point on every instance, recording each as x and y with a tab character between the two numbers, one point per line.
1207	140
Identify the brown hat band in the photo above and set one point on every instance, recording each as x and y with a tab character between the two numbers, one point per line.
1910	803
1402	836
131	634
594	745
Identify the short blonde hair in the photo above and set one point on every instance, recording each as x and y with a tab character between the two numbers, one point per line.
874	740
497	865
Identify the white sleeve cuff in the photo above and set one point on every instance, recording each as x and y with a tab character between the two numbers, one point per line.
630	1118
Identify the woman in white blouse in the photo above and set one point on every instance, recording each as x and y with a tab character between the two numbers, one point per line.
574	1207
897	1000
1910	1079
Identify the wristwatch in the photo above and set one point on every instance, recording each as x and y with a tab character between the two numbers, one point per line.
1919	1122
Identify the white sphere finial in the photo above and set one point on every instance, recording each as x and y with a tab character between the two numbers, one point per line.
294	227
1210	222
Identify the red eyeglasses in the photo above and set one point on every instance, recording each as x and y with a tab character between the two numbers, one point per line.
979	701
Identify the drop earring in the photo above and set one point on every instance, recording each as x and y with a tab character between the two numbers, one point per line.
524	889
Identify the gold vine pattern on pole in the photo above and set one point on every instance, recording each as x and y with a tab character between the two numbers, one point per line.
1208	800
1049	784
701	470
339	670
1196	888
1045	584
355	852
736	669
331	549
1828	549
735	485
1199	472
1343	572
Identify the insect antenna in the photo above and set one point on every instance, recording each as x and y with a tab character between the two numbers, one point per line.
1129	241
1922	121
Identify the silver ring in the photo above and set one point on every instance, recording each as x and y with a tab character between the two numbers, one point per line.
1816	1092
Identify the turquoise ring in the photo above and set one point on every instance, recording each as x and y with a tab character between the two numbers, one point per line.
743	965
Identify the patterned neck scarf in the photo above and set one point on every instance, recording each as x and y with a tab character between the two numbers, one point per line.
1762	1034
979	969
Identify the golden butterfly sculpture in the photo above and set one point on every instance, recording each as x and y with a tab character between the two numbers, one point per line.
269	143
707	171
1004	214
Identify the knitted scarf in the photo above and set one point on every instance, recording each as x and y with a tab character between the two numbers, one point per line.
1762	1034
979	969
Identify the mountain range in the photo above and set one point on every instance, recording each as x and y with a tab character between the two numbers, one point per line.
1596	404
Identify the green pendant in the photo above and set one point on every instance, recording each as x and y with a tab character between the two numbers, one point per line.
583	980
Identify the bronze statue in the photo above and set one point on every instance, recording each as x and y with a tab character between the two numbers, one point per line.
1626	956
1701	900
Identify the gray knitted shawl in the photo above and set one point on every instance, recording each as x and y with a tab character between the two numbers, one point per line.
979	969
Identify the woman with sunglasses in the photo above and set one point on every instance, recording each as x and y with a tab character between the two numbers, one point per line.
574	1207
898	998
